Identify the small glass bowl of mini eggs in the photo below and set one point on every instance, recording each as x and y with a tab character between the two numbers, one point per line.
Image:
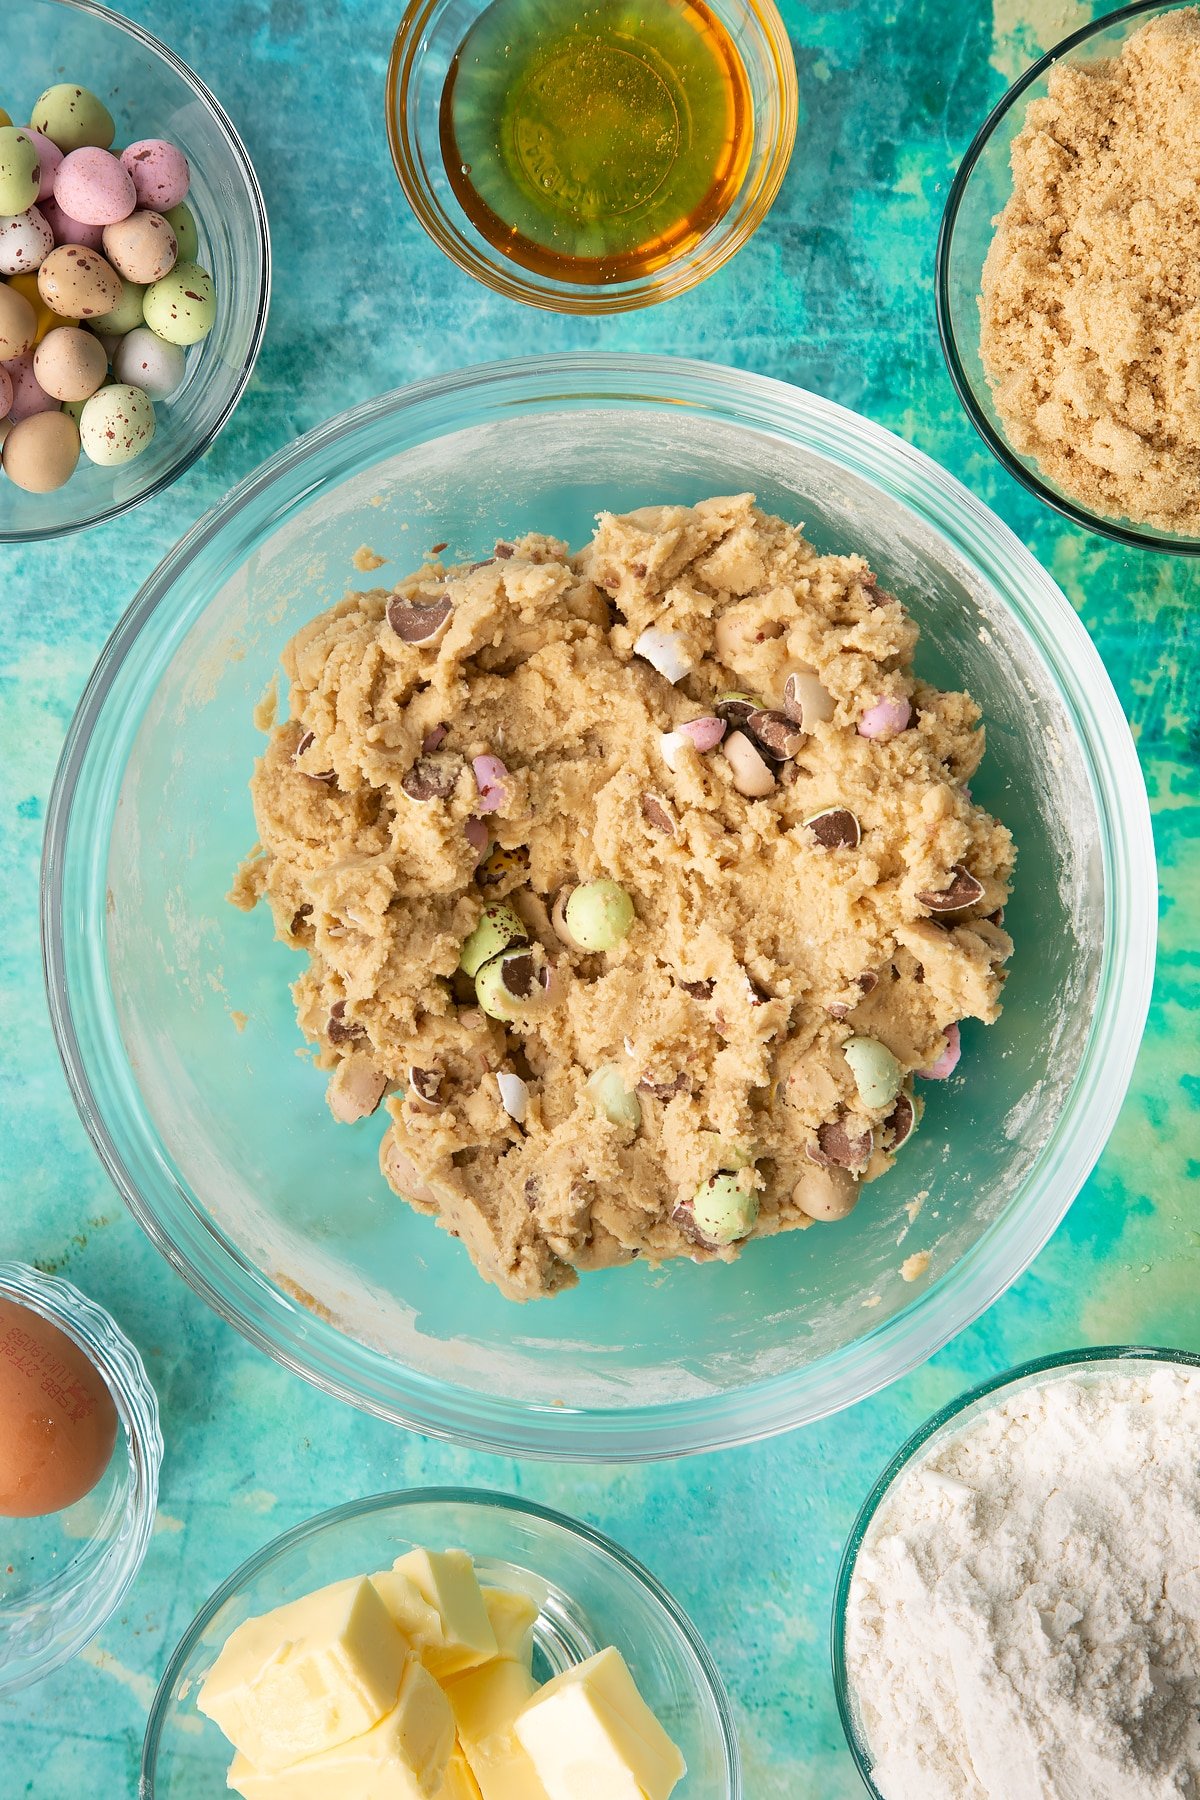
134	269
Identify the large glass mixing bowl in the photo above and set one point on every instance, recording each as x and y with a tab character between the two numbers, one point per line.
219	1138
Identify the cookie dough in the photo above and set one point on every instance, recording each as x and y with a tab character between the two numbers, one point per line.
637	884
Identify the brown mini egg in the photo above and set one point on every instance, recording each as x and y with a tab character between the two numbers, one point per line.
78	283
70	363
58	1423
142	248
40	454
18	323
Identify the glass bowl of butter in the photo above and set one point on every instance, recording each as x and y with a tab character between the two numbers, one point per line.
448	1643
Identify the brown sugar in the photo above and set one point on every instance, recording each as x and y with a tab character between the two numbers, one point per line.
1091	289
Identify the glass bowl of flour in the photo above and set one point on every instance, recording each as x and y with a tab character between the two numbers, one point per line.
1018	1606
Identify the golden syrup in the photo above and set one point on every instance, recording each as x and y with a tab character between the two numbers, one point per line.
596	140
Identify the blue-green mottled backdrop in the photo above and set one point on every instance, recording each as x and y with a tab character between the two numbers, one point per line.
835	293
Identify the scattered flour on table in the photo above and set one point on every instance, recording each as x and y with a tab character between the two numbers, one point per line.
1024	1618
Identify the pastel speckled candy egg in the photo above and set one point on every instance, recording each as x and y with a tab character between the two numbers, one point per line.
49	158
29	396
160	173
93	186
20	171
145	360
182	222
182	308
25	242
18	325
68	230
116	425
5	392
40	453
142	248
125	315
72	116
70	363
77	283
44	317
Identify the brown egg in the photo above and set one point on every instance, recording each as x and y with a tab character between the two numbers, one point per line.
58	1423
40	454
70	363
142	247
18	323
78	283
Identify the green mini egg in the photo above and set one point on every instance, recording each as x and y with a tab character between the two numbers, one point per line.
182	307
73	118
20	171
125	316
183	224
116	425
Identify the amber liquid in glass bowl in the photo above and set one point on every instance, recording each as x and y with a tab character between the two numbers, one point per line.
596	143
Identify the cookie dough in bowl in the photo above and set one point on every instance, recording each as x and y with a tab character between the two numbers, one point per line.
642	882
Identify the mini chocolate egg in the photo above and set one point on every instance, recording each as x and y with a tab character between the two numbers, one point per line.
71	117
93	186
142	248
49	158
6	391
58	1421
18	324
160	173
29	396
182	221
70	363
78	283
125	315
44	317
40	454
26	240
68	230
145	360
20	171
182	307
116	424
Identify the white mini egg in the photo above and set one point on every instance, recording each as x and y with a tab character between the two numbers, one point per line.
26	240
145	360
116	425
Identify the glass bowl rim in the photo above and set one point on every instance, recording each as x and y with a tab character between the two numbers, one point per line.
93	1328
590	300
245	1297
34	534
1020	1374
596	1542
1140	539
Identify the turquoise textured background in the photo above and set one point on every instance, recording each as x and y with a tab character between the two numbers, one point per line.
835	293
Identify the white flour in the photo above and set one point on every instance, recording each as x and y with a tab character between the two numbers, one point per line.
1024	1619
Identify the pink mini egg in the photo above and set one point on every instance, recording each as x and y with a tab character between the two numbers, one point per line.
25	242
93	186
49	156
6	392
28	394
71	231
160	173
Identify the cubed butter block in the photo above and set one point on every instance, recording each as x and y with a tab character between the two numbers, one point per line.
307	1676
412	1614
512	1617
445	1579
485	1702
591	1736
459	1783
405	1757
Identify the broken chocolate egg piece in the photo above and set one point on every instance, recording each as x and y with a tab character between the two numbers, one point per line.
900	1123
664	651
964	890
477	836
404	1175
503	550
806	701
514	1095
434	739
421	625
431	778
776	733
665	1090
341	1030
835	829
355	1089
426	1085
306	744
752	774
658	814
503	864
699	990
735	707
947	1062
835	1147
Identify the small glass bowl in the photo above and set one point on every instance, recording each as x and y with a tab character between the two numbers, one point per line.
979	192
589	1592
1104	1361
62	1575
151	93
430	34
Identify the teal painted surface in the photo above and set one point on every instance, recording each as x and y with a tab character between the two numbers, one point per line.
835	293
